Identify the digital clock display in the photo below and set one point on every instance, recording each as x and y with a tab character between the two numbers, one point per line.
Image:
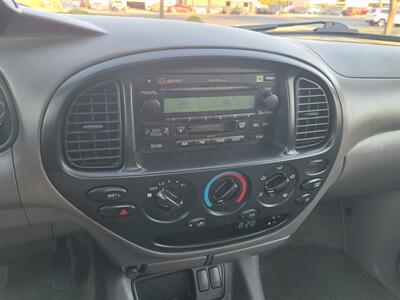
206	104
247	224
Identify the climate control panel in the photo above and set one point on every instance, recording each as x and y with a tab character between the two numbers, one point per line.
171	212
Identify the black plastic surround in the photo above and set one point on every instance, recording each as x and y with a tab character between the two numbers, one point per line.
177	200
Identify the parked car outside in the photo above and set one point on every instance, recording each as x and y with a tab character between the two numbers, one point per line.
379	16
355	11
333	11
238	11
268	10
292	9
314	11
179	8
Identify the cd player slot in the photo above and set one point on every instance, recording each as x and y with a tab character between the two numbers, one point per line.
206	128
207	88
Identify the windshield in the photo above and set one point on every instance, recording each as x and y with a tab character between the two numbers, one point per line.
367	16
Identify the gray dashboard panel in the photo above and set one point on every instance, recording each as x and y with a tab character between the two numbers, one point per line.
359	60
38	71
11	211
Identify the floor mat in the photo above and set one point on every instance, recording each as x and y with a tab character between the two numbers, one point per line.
308	273
30	275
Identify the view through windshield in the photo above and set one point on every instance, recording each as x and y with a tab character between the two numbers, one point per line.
367	16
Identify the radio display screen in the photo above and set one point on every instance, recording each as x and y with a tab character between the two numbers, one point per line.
207	104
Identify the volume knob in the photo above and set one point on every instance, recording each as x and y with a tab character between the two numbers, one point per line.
269	101
151	106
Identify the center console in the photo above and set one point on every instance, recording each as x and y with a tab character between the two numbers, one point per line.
178	155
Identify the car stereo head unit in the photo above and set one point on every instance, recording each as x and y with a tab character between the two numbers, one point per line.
192	111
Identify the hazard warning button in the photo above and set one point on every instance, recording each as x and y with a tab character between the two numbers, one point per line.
114	211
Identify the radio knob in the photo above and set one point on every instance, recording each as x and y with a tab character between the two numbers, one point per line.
151	106
269	101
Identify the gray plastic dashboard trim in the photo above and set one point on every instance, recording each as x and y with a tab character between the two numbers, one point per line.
127	253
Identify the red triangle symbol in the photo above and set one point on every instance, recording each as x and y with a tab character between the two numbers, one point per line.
123	212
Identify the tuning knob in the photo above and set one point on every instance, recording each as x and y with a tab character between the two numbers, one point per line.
151	106
269	101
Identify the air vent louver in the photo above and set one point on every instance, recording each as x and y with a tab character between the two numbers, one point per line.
93	134
312	115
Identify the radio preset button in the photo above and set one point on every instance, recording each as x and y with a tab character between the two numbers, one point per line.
241	125
180	130
264	123
257	137
256	124
155	146
156	132
234	139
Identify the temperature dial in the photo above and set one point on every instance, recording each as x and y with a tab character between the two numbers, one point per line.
225	193
168	200
277	188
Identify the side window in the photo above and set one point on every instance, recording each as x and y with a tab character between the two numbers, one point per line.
385	11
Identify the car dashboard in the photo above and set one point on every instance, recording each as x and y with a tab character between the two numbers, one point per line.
192	149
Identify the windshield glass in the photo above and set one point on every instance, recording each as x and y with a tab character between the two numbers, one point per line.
367	16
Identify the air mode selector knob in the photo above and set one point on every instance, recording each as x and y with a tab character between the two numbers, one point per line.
269	101
151	106
169	198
